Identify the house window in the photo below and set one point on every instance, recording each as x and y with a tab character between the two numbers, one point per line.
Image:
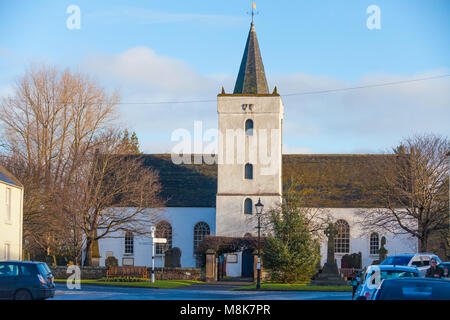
249	127
248	171
248	206
374	243
129	243
163	230
201	230
342	241
8	205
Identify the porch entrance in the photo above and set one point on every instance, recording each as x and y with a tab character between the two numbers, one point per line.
247	264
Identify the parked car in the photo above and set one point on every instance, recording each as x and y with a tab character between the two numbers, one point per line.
25	280
419	260
413	289
368	283
445	266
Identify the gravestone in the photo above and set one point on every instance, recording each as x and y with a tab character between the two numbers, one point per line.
330	274
173	258
382	252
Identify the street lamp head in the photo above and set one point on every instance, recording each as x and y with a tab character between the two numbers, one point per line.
259	207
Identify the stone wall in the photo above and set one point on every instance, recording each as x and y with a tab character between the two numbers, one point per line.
177	273
160	273
86	272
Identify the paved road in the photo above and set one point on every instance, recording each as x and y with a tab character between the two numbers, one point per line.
94	292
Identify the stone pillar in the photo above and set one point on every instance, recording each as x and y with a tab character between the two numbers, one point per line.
210	267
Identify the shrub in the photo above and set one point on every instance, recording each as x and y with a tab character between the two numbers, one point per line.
111	262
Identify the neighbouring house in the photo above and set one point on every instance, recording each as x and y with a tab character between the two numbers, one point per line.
11	216
219	198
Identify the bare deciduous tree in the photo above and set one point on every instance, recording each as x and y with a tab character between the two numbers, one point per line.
115	195
415	192
53	123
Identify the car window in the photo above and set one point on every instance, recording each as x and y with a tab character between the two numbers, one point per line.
43	269
27	270
417	263
397	260
9	270
390	274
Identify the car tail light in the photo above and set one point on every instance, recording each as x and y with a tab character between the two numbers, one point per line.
41	279
367	295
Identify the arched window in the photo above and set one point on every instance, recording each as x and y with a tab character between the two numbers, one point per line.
342	240
201	230
248	206
374	243
129	243
163	230
248	171
249	127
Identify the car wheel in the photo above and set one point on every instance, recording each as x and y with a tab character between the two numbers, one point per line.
22	295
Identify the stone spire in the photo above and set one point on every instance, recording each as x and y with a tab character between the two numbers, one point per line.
251	78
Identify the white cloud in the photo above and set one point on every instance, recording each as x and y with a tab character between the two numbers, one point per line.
361	121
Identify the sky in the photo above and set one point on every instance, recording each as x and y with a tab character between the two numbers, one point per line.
162	51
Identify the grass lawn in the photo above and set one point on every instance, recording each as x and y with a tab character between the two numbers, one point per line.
268	286
160	284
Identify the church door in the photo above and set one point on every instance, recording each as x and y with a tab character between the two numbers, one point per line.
247	264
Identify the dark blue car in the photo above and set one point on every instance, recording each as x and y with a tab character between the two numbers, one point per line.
24	280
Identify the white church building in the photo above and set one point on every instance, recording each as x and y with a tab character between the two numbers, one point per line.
218	199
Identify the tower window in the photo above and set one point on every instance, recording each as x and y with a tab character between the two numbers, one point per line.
248	171
248	204
249	127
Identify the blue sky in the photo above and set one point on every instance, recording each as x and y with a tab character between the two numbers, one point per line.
184	50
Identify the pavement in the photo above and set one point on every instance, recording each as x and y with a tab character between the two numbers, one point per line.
210	291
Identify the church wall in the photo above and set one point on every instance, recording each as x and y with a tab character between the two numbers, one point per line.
360	239
182	220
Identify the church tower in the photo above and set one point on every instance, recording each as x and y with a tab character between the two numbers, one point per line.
250	146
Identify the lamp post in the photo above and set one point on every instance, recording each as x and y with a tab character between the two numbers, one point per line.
259	208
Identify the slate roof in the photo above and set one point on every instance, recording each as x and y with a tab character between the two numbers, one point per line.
332	181
7	177
251	78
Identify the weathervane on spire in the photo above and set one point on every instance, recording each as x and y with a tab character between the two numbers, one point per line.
253	13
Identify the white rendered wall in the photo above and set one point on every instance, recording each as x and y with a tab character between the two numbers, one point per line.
232	187
11	231
360	239
182	220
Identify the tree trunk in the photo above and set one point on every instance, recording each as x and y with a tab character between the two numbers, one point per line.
88	253
423	244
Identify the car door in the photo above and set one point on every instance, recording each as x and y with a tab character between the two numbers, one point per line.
9	278
27	276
